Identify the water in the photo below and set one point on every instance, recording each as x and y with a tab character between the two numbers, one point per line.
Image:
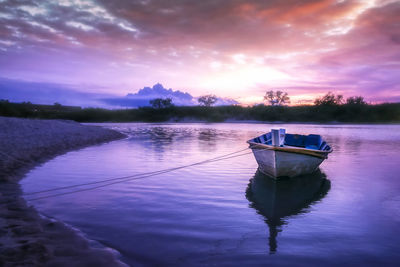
225	212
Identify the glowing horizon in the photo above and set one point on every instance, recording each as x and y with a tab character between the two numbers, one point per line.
233	49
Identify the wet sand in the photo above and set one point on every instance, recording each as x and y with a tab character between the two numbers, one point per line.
27	238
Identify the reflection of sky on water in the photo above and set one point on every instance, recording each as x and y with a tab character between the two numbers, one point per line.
201	215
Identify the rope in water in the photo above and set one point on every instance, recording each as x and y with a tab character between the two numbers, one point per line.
121	180
134	175
116	180
137	177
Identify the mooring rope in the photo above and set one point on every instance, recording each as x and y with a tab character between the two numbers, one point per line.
138	176
123	179
134	175
130	179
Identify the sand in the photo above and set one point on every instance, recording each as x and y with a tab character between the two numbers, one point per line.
27	238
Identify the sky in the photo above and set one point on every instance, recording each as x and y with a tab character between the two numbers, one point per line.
232	48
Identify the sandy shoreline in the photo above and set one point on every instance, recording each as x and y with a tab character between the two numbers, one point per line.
26	238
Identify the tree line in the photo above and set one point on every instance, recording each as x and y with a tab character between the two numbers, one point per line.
205	100
328	109
272	98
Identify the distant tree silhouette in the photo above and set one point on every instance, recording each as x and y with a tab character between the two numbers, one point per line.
277	98
368	113
329	100
270	97
161	103
207	100
355	100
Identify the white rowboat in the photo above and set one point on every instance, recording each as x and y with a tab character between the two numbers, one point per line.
279	154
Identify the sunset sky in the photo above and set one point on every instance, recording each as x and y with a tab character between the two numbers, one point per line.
235	49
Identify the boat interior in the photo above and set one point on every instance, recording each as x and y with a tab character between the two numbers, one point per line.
311	141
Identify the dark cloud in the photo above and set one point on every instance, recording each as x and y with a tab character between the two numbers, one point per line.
222	25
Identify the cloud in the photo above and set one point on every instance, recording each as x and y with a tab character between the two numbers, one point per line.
144	95
205	45
48	93
229	26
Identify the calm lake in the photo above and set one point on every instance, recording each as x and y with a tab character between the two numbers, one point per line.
225	212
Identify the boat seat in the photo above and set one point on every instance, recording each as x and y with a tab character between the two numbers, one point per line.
267	139
295	140
257	140
313	141
267	136
263	139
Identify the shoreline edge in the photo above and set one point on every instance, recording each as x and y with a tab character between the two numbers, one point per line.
26	237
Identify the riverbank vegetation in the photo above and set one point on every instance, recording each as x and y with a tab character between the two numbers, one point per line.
352	111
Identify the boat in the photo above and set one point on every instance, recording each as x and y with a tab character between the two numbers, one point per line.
281	154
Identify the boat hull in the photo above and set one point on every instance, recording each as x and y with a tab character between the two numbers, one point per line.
277	163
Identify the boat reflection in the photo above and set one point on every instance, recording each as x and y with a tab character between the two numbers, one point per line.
280	199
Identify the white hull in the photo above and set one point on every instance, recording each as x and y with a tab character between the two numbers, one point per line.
278	163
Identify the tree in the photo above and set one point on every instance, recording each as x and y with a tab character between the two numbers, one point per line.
269	96
282	98
277	98
207	100
161	103
329	100
355	100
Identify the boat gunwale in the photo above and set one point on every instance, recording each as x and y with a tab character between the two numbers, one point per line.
292	149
